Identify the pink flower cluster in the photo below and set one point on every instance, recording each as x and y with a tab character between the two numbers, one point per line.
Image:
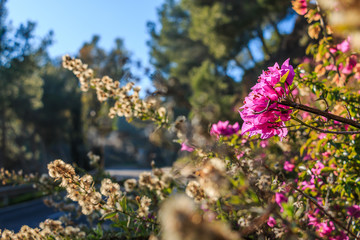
288	166
186	147
344	46
300	6
326	229
279	199
224	129
354	211
351	64
261	112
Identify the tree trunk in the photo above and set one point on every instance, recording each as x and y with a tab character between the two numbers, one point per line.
250	54
276	29
3	136
261	36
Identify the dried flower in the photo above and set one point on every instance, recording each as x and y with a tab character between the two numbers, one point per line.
194	190
180	220
126	98
130	184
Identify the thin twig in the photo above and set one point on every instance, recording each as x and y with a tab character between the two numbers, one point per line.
349	115
326	131
287	102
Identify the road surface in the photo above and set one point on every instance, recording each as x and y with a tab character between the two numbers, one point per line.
33	212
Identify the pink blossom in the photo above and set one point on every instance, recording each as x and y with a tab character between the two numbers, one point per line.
317	168
279	199
344	46
312	220
357	71
261	112
311	184
271	222
350	64
306	60
224	128
264	143
240	155
342	236
185	147
322	135
288	166
326	154
354	211
325	228
300	6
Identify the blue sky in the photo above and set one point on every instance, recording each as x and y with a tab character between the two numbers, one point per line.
76	21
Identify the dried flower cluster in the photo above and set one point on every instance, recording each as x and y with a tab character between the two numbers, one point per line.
144	205
130	184
127	100
158	182
112	191
180	220
194	190
49	229
94	159
211	183
12	177
81	190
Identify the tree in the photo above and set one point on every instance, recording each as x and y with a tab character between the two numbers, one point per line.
187	63
20	89
201	42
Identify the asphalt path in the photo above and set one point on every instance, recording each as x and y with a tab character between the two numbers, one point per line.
29	213
33	212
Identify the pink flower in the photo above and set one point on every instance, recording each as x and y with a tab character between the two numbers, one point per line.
342	236
271	222
288	166
357	71
317	168
300	6
325	228
312	220
261	112
240	155
279	199
264	143
322	135
224	128
354	211
326	154
185	147
344	46
350	64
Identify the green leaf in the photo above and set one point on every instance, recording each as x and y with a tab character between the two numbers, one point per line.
284	77
327	169
109	215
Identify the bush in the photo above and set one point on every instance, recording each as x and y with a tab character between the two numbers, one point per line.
298	179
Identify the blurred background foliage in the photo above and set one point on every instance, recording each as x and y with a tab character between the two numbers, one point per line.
207	55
